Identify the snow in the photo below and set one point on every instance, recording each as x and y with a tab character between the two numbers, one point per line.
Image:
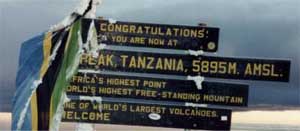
92	41
198	80
195	105
58	114
36	83
22	115
89	71
91	46
92	99
92	13
102	46
79	10
64	23
53	55
82	7
196	53
112	21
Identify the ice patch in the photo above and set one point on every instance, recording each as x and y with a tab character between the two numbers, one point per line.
95	51
89	71
198	80
196	53
64	23
195	105
36	83
92	41
82	6
92	13
112	21
103	38
102	46
58	114
22	115
53	55
93	99
67	99
91	46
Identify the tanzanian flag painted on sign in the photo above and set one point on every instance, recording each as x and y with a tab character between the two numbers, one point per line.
46	63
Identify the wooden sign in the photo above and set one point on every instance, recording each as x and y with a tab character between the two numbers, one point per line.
122	113
154	35
93	84
172	64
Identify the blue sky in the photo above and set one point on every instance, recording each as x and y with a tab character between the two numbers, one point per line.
267	29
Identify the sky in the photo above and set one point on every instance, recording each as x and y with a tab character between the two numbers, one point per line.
263	29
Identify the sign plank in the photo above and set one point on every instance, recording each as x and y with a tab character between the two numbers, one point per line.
92	84
147	115
173	64
155	35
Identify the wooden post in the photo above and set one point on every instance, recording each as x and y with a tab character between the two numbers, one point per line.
200	25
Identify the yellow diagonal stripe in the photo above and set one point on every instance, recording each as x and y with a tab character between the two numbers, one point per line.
47	43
